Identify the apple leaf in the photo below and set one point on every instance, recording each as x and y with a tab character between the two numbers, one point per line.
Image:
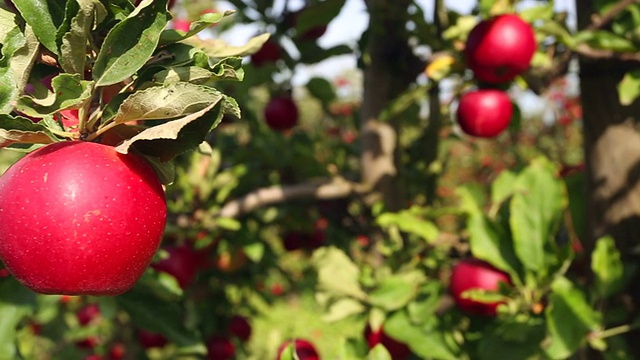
396	291
228	69
73	49
41	16
512	338
322	90
69	91
170	36
536	207
569	319
318	14
607	267
130	43
218	49
312	53
343	308
429	344
606	40
18	130
410	223
379	352
16	302
629	87
332	263
167	102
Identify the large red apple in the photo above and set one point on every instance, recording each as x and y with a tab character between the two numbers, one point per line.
182	263
471	274
281	113
80	218
304	350
500	48
484	113
397	350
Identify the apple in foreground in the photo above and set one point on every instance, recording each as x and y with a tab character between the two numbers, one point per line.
471	274
79	218
484	113
303	349
500	48
281	113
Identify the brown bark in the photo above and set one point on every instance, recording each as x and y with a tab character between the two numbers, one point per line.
389	68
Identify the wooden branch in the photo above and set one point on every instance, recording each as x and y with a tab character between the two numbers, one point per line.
597	22
593	53
329	189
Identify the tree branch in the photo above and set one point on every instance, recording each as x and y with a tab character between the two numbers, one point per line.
329	189
597	22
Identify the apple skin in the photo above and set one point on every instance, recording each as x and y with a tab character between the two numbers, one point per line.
78	218
183	263
484	113
148	339
220	348
397	350
476	274
270	52
239	327
281	113
500	48
88	313
303	348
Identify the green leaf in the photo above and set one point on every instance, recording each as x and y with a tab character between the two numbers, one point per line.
219	49
502	187
16	302
170	36
317	14
332	263
152	313
131	43
513	338
379	352
73	49
409	223
69	91
170	139
629	87
321	89
426	344
536	208
38	14
569	319
167	102
18	130
607	267
606	40
312	53
537	13
343	308
396	291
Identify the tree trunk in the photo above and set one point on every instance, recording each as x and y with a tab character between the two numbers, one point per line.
389	67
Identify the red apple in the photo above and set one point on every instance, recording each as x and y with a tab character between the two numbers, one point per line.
181	24
148	339
79	218
304	350
476	274
500	48
183	263
397	350
484	113
313	33
117	351
220	348
239	327
281	113
88	313
270	52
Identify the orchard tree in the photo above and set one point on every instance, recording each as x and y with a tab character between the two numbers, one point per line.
182	197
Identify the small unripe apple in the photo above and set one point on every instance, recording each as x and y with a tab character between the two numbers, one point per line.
471	274
500	48
281	113
79	218
484	113
304	350
220	348
182	263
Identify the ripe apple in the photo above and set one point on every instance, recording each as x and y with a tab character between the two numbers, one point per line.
220	348
500	48
239	327
270	52
88	313
484	113
183	263
304	350
148	339
181	24
78	218
281	113
397	350
475	274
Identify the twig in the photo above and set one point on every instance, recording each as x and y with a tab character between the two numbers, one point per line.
332	189
597	22
588	51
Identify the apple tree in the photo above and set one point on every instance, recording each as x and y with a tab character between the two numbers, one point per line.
183	197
